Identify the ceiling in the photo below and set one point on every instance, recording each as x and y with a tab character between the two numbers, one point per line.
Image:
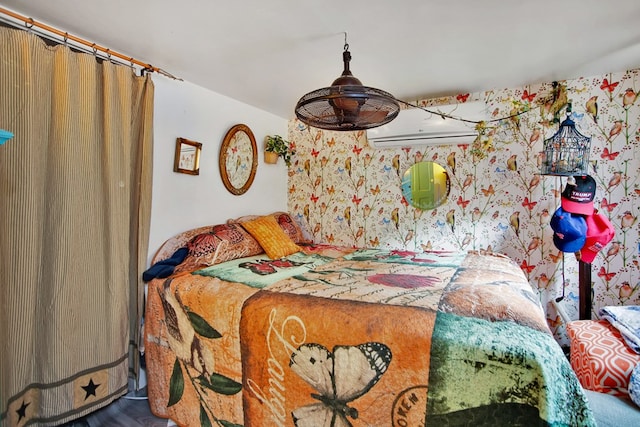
268	53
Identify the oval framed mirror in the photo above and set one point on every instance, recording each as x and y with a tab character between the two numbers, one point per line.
238	159
426	185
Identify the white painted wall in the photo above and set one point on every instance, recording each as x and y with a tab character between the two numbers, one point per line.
182	201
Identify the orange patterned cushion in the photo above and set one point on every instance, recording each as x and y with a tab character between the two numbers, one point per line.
288	225
275	242
599	356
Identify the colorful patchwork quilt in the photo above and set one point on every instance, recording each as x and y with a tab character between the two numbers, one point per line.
356	337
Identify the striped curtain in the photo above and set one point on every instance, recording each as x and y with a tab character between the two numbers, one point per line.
75	198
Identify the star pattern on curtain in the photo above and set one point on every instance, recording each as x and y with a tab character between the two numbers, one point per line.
90	389
22	410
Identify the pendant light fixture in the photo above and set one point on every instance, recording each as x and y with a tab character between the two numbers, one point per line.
347	105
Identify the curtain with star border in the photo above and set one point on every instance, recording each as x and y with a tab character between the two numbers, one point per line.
75	183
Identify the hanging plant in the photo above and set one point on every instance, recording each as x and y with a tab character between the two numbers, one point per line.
277	144
482	144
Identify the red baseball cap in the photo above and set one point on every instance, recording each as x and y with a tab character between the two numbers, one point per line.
578	198
600	232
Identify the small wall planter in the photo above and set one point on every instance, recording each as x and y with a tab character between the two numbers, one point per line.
276	146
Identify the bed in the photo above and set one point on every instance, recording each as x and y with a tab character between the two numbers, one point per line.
237	335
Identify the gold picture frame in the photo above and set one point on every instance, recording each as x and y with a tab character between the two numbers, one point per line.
187	158
238	159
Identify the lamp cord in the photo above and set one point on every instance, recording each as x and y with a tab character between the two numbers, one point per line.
448	116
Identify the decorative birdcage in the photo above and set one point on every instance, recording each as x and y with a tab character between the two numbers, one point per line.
567	152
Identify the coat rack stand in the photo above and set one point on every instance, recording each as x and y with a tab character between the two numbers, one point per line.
584	283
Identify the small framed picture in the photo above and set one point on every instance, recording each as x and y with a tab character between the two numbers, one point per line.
187	159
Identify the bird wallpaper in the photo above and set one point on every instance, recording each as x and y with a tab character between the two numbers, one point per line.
344	192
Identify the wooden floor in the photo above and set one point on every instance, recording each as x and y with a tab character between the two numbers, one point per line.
124	412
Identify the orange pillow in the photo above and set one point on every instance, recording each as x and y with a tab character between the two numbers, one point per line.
275	242
288	225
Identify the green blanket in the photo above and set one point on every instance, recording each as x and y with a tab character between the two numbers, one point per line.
259	271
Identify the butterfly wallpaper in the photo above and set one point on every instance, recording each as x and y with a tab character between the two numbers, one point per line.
347	193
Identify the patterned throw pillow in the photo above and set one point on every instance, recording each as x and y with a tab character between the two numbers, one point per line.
180	240
203	247
288	225
221	243
634	385
275	242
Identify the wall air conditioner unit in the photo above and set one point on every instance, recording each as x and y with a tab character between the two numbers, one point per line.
415	126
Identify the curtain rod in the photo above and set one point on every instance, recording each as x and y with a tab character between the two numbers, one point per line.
30	23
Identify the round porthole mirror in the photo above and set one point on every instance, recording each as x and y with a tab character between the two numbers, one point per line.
426	185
